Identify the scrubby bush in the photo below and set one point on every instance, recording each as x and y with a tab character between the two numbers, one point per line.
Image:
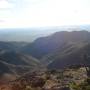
83	86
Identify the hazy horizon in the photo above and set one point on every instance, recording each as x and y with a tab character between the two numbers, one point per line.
31	34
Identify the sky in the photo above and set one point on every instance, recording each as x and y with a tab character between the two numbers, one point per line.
43	13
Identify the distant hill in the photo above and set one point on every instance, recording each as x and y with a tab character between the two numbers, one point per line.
46	45
72	55
17	58
60	49
11	46
24	35
13	63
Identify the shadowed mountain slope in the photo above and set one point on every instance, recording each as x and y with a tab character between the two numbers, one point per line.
46	45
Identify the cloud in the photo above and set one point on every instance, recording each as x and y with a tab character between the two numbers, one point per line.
1	21
38	13
4	4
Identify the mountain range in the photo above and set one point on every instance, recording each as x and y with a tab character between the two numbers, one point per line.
56	51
